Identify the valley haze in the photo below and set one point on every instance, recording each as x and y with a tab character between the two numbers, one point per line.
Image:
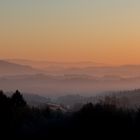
53	79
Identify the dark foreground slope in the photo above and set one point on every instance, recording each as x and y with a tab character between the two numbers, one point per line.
19	121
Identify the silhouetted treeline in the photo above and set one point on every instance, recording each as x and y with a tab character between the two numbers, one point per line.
19	121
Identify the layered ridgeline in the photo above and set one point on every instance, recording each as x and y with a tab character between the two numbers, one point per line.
58	79
10	68
83	67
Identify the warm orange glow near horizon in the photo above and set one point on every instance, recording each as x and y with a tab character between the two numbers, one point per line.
105	32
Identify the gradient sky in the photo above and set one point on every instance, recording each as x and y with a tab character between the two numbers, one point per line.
106	31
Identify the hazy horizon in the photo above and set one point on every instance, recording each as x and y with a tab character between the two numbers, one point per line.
94	63
55	79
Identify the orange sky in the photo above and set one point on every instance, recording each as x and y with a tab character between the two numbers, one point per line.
101	31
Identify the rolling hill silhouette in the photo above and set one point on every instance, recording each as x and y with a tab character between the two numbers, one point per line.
9	68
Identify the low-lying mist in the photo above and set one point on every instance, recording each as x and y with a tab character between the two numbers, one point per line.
55	79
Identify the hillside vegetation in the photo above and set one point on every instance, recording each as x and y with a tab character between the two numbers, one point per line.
20	121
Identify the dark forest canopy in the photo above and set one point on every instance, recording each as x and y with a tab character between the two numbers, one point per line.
20	121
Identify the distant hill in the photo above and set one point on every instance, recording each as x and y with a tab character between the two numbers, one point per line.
34	99
50	65
125	99
57	85
9	68
40	101
81	68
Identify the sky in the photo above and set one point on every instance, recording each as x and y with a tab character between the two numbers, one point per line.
105	31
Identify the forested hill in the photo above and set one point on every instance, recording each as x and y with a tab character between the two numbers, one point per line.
19	121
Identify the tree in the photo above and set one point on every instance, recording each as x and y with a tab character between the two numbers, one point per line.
3	99
18	100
